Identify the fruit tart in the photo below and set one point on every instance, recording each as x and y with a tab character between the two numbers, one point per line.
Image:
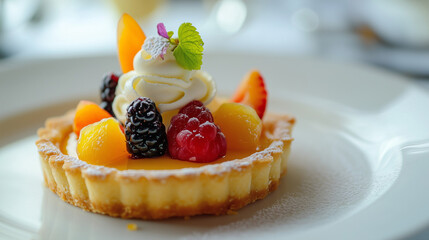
161	143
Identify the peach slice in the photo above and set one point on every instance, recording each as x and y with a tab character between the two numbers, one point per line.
102	143
87	113
130	38
240	124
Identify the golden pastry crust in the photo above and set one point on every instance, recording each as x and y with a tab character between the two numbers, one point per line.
157	194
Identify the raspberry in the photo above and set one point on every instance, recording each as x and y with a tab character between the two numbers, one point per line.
144	130
193	136
110	81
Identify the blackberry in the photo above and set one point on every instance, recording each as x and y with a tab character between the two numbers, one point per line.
144	130
110	81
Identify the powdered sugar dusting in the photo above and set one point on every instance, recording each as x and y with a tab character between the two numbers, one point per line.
330	176
316	191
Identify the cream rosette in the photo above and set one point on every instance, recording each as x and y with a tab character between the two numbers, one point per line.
164	81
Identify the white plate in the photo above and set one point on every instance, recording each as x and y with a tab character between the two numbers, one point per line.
358	168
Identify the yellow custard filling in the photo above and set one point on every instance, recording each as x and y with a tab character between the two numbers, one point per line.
159	163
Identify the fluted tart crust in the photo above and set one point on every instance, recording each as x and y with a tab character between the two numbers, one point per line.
157	194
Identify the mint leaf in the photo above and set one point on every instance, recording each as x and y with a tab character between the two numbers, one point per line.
189	51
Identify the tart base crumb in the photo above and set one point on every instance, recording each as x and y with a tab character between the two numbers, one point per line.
132	227
231	212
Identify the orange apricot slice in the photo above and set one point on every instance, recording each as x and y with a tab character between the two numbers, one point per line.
130	38
102	143
87	113
240	124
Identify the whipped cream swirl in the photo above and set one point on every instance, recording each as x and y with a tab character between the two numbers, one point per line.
164	81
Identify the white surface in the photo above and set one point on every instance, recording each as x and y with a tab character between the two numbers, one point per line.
358	168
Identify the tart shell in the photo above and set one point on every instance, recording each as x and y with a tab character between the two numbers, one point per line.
156	194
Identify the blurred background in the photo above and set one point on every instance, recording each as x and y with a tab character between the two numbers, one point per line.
393	34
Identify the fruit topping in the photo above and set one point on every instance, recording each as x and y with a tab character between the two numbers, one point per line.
87	113
130	38
144	130
240	124
252	92
102	143
110	81
193	136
